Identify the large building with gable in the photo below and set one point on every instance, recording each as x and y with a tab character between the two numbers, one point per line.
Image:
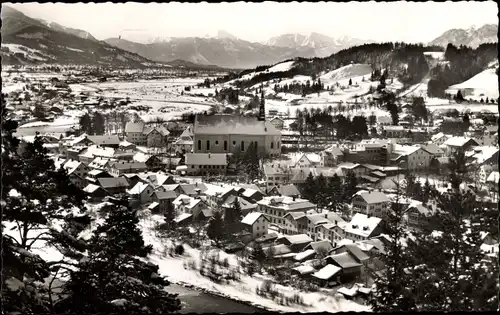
230	134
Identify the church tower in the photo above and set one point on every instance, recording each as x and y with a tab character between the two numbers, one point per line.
262	108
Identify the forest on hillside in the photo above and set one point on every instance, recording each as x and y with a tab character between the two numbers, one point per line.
463	63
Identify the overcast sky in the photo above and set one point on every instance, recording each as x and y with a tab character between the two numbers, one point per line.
379	21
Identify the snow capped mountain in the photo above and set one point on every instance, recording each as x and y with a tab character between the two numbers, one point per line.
472	36
60	28
321	44
221	34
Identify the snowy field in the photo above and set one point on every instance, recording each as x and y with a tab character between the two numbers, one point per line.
173	268
484	84
164	98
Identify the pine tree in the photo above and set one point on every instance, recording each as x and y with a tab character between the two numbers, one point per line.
350	82
114	277
232	217
33	196
86	123
39	112
98	124
321	197
393	292
350	186
309	188
334	197
215	228
170	215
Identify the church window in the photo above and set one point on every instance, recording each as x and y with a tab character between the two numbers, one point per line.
199	144
242	145
272	145
208	145
216	142
225	145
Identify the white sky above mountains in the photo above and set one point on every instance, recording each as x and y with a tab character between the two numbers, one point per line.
379	21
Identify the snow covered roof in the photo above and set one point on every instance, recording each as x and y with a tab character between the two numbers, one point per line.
483	153
99	162
206	158
286	203
244	205
129	165
185	200
304	269
182	217
458	141
233	125
138	188
327	272
345	260
373	197
362	225
251	218
71	165
287	190
153	205
105	140
126	144
112	182
214	190
298	239
169	194
305	254
90	188
94	151
134	127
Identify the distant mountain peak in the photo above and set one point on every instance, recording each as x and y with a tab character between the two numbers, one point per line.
221	34
472	37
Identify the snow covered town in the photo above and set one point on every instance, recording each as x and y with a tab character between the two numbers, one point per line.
284	190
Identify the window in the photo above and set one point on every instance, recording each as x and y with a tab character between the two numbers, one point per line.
234	143
199	144
242	146
272	145
225	145
208	145
278	144
216	142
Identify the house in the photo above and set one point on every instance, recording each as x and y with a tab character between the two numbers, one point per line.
333	232
355	252
121	167
95	174
251	194
77	171
95	192
217	195
206	163
94	151
358	169
133	179
395	131
331	156
321	248
185	142
135	133
192	190
482	155
276	174
351	268
275	208
161	179
100	163
296	243
186	204
111	141
455	144
278	123
152	162
363	227
285	190
229	134
163	198
327	274
113	185
492	180
303	160
433	149
374	203
156	136
415	157
416	215
141	192
294	223
255	223
125	145
245	206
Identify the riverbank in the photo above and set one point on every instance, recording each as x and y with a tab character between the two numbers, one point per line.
245	289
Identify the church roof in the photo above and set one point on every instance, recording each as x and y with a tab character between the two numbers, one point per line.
235	125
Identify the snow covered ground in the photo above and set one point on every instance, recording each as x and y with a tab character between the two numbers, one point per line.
173	268
29	53
483	84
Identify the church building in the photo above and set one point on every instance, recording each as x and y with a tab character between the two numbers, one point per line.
231	133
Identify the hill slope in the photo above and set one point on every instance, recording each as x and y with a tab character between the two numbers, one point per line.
29	41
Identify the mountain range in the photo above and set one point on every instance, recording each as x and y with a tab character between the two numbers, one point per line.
27	40
471	37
